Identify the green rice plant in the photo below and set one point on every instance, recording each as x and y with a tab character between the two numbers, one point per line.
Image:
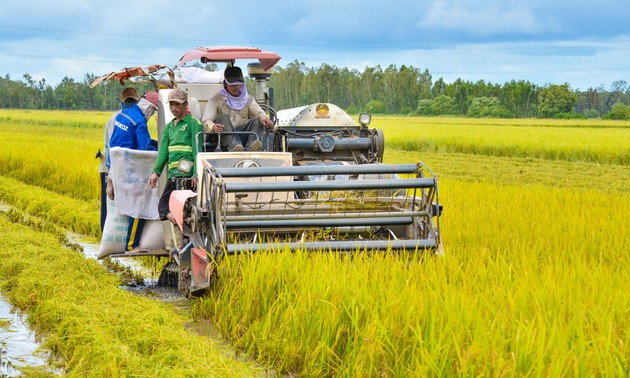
66	119
63	165
604	145
513	122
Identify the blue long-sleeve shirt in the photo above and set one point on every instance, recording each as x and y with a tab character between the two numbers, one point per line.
131	131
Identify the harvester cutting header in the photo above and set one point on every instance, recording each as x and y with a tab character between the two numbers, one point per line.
318	184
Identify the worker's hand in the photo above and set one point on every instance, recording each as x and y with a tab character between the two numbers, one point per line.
267	123
109	189
193	184
217	128
153	180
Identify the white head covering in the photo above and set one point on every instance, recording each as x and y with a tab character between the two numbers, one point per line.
147	107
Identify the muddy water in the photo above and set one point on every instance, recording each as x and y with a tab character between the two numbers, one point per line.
18	344
150	278
91	251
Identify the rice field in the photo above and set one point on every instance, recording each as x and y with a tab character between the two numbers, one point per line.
603	142
534	281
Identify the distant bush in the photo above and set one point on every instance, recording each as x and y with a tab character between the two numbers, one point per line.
352	110
424	107
619	111
487	107
443	105
375	107
570	116
592	113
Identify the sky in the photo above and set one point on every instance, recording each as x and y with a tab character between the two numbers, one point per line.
583	43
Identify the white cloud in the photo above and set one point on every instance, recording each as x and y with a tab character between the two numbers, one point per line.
487	21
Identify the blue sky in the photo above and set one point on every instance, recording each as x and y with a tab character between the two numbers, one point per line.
583	43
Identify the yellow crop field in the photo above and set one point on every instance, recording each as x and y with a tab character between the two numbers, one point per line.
600	142
534	280
54	150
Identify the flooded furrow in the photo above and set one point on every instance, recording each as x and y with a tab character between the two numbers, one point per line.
19	346
148	285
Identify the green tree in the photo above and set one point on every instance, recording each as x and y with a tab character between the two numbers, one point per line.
618	88
556	99
443	105
519	97
372	85
67	94
309	90
439	88
328	80
287	84
588	103
460	96
424	85
619	111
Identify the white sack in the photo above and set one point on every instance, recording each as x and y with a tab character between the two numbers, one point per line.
129	172
115	232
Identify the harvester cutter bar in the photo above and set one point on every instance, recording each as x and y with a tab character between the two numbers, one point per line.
325	222
326	215
335	246
303	217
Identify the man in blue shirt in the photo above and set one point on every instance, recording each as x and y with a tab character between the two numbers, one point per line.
129	97
131	131
130	126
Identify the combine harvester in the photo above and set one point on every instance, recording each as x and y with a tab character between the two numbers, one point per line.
319	184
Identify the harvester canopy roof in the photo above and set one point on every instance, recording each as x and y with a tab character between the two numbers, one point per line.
267	59
129	73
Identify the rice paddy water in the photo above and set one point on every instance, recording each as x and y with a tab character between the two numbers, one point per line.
19	347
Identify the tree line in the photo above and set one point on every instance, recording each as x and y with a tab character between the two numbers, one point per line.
394	90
